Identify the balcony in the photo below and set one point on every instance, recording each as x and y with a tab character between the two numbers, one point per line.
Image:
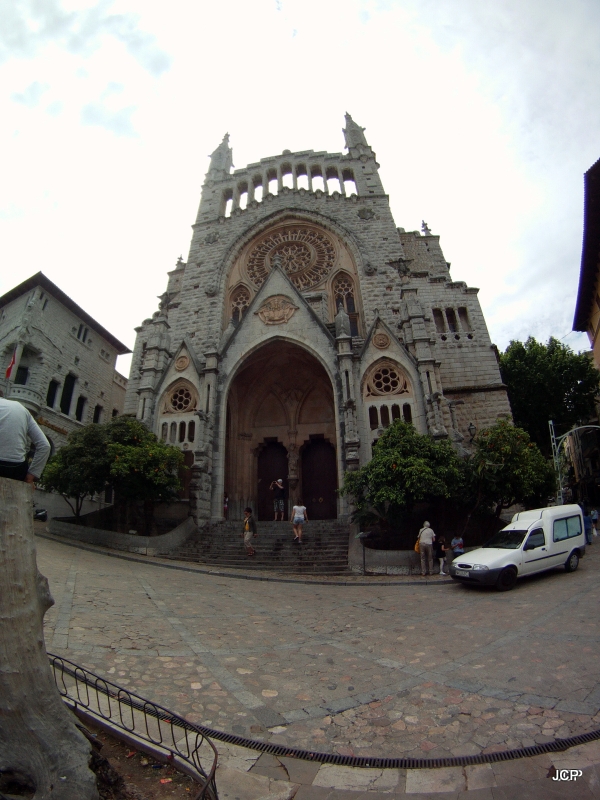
31	399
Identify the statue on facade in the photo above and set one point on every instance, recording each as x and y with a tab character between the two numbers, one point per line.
354	134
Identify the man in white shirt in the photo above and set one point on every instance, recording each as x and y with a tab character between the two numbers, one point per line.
426	540
17	429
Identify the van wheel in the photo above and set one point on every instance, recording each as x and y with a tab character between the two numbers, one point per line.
507	579
572	562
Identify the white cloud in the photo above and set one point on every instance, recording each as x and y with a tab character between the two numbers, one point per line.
31	95
28	26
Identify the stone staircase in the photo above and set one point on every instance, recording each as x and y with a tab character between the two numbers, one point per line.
324	549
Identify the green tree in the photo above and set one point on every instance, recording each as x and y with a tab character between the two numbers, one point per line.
548	381
80	468
505	468
141	467
122	454
406	468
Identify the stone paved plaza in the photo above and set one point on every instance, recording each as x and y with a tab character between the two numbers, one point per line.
420	669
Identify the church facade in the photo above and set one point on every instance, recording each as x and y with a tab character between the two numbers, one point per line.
303	323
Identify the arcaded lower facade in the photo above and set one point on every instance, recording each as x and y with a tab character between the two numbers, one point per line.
302	324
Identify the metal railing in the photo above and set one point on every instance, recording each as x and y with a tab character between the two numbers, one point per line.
141	723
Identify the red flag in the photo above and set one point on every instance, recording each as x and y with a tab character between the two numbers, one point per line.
13	361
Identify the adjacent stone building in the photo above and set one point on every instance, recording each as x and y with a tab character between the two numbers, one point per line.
62	362
302	324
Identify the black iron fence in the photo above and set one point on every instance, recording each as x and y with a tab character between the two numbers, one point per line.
141	723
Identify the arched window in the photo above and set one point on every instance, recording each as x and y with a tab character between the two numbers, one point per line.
240	300
373	417
385	416
191	431
164	431
343	294
388	394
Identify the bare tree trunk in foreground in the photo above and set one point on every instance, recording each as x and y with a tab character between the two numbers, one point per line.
38	738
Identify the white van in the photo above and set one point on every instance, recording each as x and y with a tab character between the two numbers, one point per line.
534	541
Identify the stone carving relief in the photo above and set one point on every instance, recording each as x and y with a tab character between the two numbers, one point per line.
182	363
370	269
366	213
381	340
305	254
276	310
211	238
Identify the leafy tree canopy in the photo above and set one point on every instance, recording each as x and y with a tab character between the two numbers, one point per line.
141	467
406	468
123	454
506	467
548	381
80	468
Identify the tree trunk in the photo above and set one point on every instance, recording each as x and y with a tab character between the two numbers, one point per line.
38	738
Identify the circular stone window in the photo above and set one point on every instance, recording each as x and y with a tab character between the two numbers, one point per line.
181	399
305	254
386	380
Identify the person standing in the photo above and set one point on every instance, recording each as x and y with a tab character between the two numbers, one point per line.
249	532
226	505
458	546
278	497
426	540
440	553
17	429
299	517
587	525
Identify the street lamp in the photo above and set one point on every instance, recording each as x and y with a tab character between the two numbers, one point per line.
472	430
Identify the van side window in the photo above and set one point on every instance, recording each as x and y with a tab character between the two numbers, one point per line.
566	528
536	538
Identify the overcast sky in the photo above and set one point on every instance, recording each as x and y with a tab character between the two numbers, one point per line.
484	117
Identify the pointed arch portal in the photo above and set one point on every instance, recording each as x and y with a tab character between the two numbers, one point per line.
281	424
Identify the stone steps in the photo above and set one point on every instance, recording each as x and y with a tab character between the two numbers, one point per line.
324	548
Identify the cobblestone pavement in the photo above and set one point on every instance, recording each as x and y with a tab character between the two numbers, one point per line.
402	670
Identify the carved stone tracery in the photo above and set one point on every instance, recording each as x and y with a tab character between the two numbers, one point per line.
181	398
305	254
385	380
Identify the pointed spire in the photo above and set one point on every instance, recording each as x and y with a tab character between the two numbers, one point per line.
221	160
354	134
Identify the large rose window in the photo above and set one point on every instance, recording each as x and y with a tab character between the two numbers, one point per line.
305	254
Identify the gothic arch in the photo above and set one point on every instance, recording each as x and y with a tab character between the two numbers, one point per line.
344	241
343	290
180	397
265	404
176	421
388	394
240	298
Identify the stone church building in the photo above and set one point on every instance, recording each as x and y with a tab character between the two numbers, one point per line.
303	323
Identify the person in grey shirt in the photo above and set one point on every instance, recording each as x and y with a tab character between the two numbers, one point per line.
426	540
17	429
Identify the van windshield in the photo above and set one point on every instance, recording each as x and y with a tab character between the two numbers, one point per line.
506	540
